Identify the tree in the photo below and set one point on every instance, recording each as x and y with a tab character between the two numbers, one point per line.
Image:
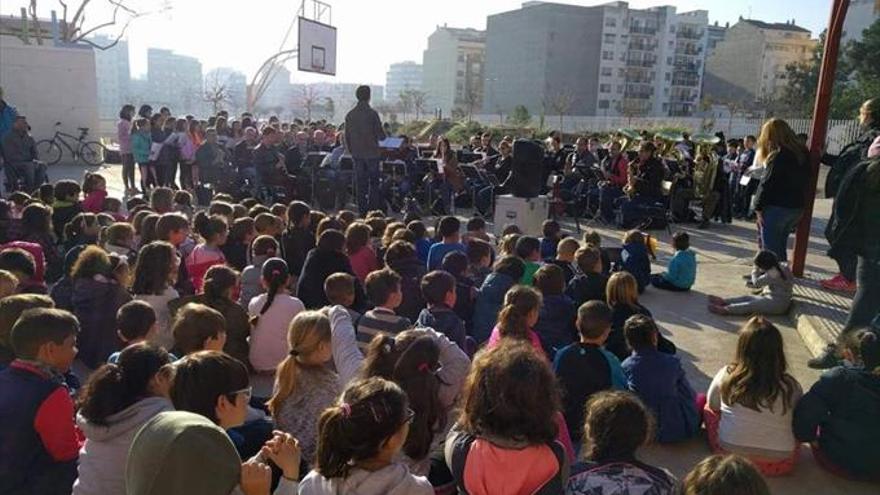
520	116
216	92
329	107
560	103
308	99
405	102
472	99
75	29
419	101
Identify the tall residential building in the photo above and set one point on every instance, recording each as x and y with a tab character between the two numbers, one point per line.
233	83
112	71
175	81
453	70
401	77
860	16
715	35
749	65
600	60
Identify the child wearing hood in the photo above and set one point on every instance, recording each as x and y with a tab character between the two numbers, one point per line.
636	258
682	270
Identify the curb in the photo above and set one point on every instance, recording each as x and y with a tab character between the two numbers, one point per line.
814	331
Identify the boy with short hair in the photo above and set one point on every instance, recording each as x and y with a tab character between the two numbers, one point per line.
438	290
552	234
198	328
590	284
681	273
66	205
585	367
383	289
448	229
476	229
174	228
555	326
659	379
564	259
21	263
8	283
297	240
135	322
340	290
41	442
529	250
479	260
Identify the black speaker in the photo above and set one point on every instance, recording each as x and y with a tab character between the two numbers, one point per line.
528	160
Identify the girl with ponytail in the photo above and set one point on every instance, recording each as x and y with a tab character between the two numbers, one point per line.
518	317
358	440
213	231
270	314
115	402
431	369
776	284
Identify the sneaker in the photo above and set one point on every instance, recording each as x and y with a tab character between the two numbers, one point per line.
828	359
747	276
840	284
718	310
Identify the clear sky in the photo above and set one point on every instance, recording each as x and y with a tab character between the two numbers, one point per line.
372	34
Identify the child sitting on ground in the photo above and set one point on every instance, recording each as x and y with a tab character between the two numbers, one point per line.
339	289
359	439
838	414
594	239
113	207
529	249
198	328
40	440
490	298
423	243
590	284
724	475
552	234
659	380
476	230
297	240
636	259
456	264
438	290
360	254
238	242
617	424
94	187
479	255
8	283
518	316
448	230
565	257
681	273
183	203
556	320
304	385
135	323
775	282
271	312
585	367
263	248
214	231
383	289
66	205
119	238
751	401
623	298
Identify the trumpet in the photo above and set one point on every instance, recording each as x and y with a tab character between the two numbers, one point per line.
630	137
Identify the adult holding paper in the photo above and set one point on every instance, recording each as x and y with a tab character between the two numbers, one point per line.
363	131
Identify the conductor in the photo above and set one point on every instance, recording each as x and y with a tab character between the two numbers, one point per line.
363	131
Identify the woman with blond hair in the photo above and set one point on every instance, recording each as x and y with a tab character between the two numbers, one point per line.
780	198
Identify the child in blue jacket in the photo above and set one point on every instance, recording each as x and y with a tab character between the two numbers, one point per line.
635	258
681	273
659	380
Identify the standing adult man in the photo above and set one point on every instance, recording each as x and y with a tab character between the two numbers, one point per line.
8	113
20	153
363	131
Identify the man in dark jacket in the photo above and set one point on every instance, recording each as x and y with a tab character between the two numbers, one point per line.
20	155
363	131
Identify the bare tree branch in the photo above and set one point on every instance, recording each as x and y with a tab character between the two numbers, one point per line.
76	21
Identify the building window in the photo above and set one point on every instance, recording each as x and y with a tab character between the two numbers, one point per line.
668	76
607	55
604	88
620	88
607	71
668	60
610	38
611	22
603	104
665	107
621	72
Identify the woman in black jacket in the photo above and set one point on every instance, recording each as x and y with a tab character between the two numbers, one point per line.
781	195
321	262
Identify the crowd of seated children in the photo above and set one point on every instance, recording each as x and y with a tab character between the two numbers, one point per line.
622	297
556	320
681	273
263	248
448	229
751	401
456	264
528	249
565	257
401	257
505	274
439	292
774	284
480	254
551	235
636	258
589	284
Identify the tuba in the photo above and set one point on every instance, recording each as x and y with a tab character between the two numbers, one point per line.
705	164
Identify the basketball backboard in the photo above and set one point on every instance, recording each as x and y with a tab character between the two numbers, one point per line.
317	47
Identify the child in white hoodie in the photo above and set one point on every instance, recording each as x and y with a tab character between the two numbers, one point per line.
358	438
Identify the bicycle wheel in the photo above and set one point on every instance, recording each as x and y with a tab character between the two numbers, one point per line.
92	152
48	151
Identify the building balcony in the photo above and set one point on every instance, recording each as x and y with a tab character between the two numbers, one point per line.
688	50
683	98
641	46
638	95
641	62
646	30
685	81
690	34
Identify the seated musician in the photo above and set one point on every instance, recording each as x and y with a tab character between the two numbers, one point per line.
243	155
645	187
443	186
295	152
270	165
615	168
319	142
500	169
554	159
485	147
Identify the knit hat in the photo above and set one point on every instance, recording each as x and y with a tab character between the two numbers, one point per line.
181	453
874	150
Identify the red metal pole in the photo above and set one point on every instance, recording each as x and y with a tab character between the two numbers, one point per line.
819	130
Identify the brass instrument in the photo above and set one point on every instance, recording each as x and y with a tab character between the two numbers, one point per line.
705	164
630	137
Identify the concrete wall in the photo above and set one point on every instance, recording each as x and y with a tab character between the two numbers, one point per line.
49	84
737	62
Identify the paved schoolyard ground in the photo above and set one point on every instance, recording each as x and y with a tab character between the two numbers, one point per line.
705	341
